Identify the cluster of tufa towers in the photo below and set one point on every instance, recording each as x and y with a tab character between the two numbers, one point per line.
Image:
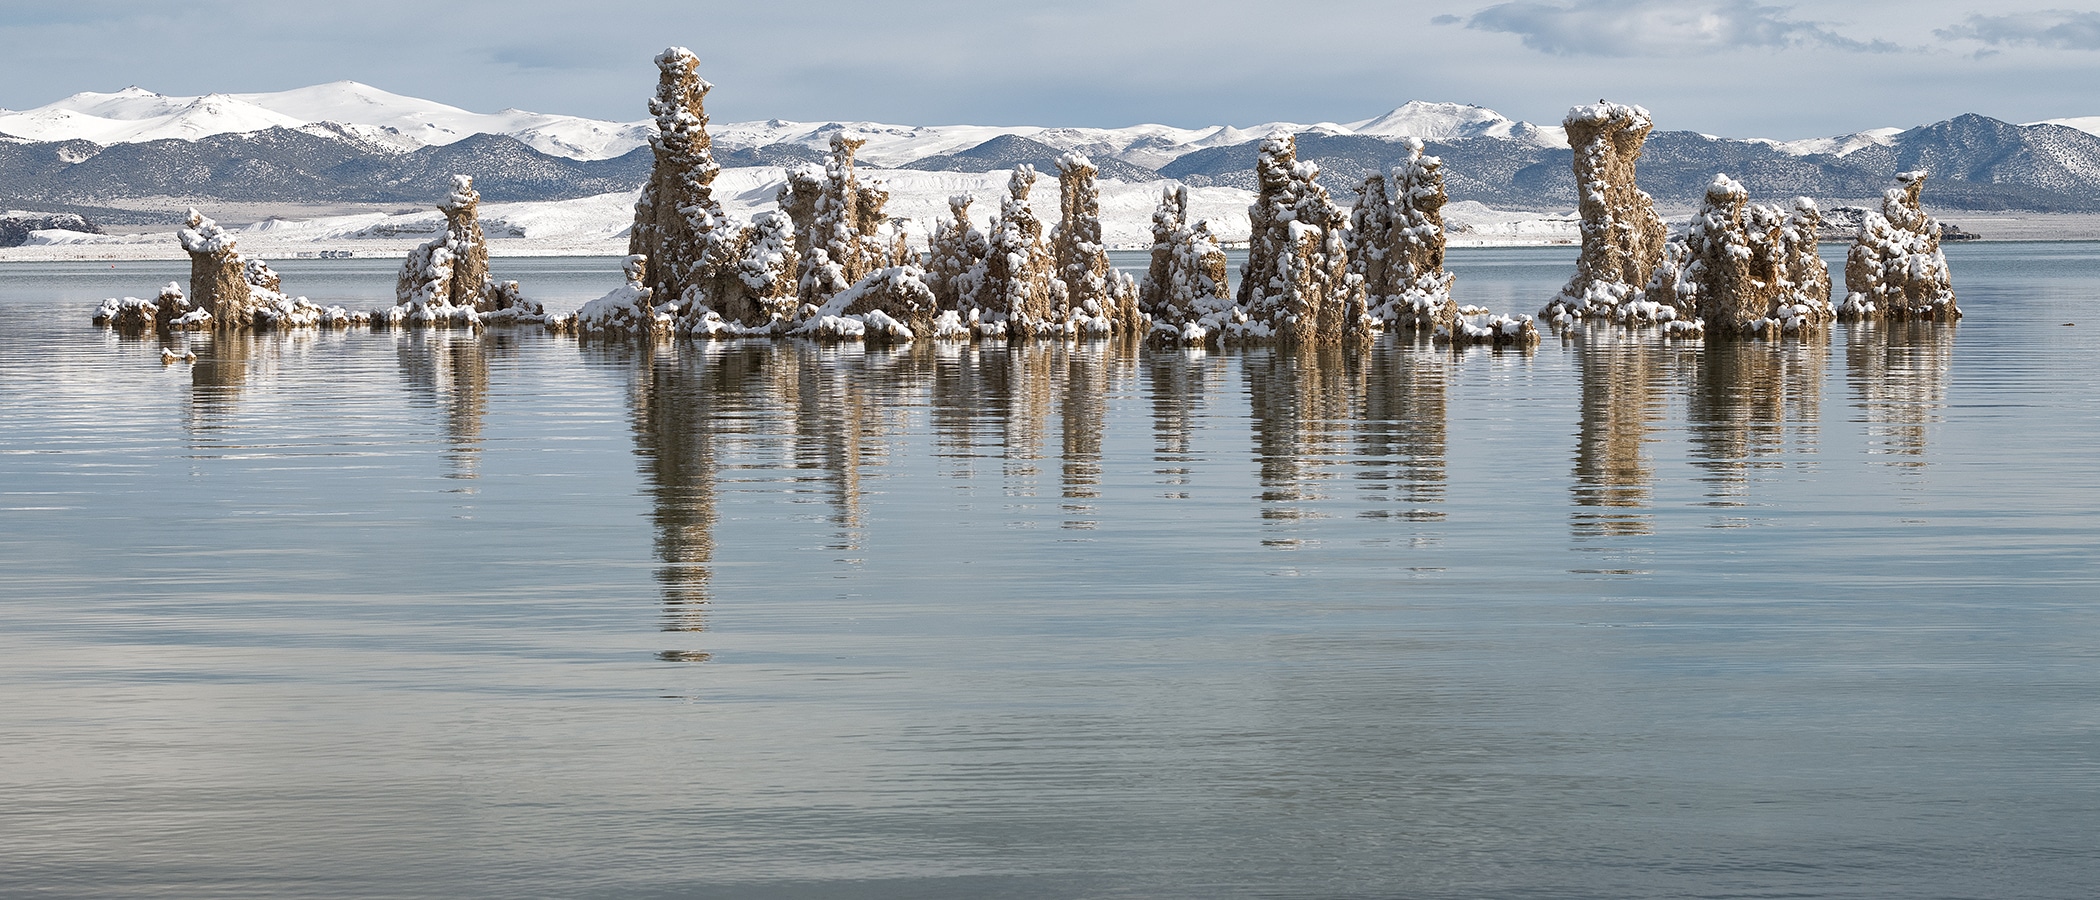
829	263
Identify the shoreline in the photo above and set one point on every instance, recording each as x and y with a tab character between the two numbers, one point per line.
1471	229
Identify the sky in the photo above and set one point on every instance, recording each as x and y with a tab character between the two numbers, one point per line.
1728	67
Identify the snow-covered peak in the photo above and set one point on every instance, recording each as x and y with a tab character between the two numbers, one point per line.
2087	124
135	114
1834	146
1436	122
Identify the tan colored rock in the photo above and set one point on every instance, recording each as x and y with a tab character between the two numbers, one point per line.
131	314
218	274
450	273
1622	237
888	305
694	249
841	229
956	254
1896	270
1296	283
1020	281
629	311
1741	269
1397	245
1095	292
1186	291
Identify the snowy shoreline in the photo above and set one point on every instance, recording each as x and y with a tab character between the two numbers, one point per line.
597	226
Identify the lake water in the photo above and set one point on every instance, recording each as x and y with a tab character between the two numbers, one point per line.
418	615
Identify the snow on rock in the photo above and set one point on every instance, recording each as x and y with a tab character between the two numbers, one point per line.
1741	269
627	311
446	281
1185	292
888	305
1021	293
1296	279
955	260
1397	245
1097	296
1622	237
1895	269
842	229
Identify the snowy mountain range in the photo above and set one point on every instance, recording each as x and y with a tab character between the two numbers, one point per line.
347	142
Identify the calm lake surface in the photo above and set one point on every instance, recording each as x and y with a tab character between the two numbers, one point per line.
385	615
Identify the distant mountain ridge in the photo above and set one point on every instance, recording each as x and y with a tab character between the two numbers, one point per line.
350	143
1980	163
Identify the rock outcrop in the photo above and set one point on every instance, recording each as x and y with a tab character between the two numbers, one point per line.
1186	291
840	233
955	258
1896	270
888	305
1100	298
1740	269
1622	237
218	280
446	281
16	226
1296	283
699	259
628	311
169	311
228	291
1021	295
1397	245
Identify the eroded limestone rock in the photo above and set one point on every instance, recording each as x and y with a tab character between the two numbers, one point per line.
841	231
628	311
1896	270
889	305
1100	298
1186	292
1622	237
1397	245
1740	269
218	281
1021	293
446	281
168	311
1296	284
955	258
228	291
700	259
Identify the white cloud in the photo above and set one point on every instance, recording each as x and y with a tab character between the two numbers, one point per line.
1656	27
2056	28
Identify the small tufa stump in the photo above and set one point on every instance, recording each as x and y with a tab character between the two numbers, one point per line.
1896	270
218	276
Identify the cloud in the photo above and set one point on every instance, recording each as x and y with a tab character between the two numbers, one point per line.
1656	27
2062	29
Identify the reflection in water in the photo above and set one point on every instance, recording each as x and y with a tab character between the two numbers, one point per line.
449	370
676	414
1303	405
1176	381
842	403
1899	376
1404	430
1624	377
226	360
1082	412
1746	397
